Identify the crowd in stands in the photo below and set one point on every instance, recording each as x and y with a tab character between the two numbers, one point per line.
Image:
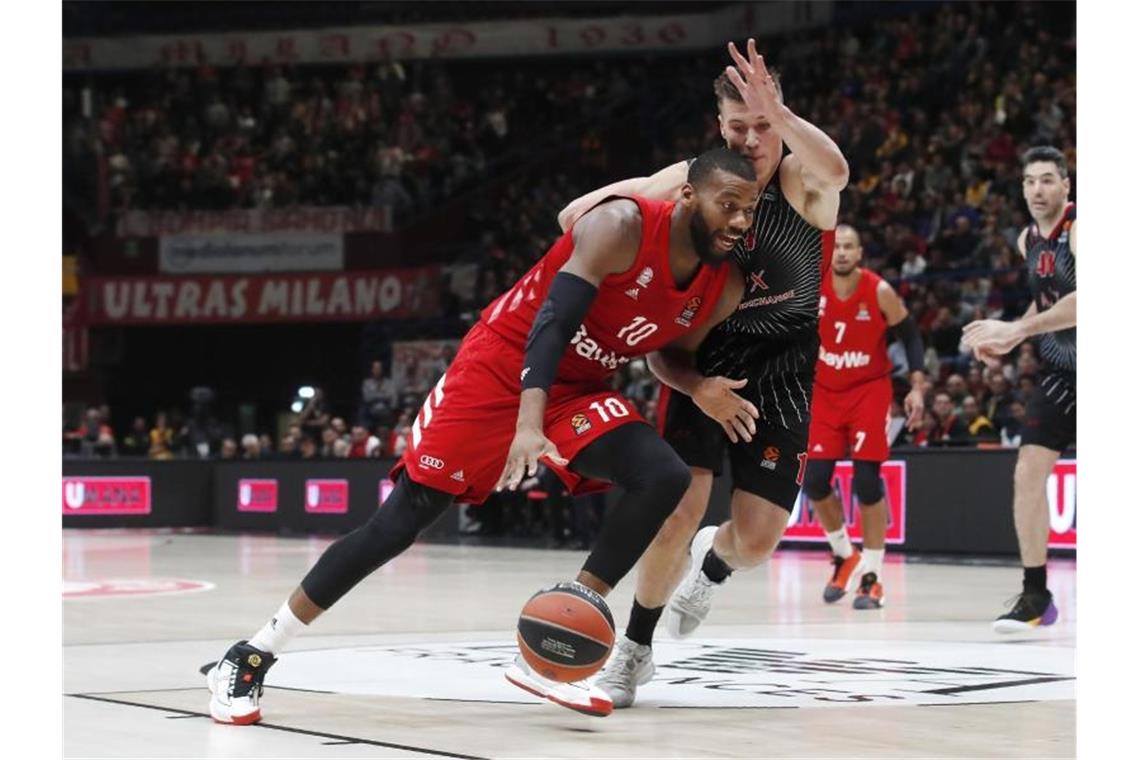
932	111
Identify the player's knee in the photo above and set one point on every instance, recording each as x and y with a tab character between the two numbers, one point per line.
671	480
868	483
817	479
1030	472
753	541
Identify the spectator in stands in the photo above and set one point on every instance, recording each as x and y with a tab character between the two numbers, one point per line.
229	449
328	440
400	433
956	390
308	448
1001	397
1011	430
136	443
288	448
250	447
363	444
161	438
378	394
266	442
94	435
341	449
981	429
949	428
314	417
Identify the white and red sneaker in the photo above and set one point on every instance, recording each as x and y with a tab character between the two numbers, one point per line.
236	683
581	696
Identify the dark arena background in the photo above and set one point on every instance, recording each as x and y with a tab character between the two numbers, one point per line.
281	219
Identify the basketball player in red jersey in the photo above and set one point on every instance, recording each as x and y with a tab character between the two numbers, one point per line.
761	359
850	410
530	382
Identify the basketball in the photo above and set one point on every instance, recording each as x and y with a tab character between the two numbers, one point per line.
566	632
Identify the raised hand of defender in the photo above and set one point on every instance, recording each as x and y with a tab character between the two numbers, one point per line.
751	77
528	446
716	397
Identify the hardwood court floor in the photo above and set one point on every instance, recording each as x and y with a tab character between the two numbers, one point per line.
409	664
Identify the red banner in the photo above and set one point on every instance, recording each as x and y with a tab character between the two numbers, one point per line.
803	525
1061	490
326	496
257	495
106	496
313	297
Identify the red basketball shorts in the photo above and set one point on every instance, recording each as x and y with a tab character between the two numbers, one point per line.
852	423
461	436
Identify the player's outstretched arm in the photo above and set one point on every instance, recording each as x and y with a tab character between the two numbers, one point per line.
816	169
992	338
665	185
605	242
675	365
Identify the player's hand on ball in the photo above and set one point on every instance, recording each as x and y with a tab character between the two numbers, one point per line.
526	449
717	397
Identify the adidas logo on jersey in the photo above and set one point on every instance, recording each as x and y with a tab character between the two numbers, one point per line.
632	293
457	475
817	447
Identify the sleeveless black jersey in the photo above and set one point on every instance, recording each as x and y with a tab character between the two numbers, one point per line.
1052	276
773	336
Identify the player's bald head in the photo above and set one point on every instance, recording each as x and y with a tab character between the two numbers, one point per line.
848	231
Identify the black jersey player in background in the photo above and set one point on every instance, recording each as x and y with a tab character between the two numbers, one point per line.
766	351
1049	246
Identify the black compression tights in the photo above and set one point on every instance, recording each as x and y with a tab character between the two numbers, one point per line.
654	478
409	509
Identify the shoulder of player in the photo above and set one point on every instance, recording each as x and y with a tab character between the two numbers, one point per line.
1021	241
609	236
615	220
888	298
1073	235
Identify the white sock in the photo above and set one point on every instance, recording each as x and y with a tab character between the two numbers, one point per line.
840	543
280	629
873	560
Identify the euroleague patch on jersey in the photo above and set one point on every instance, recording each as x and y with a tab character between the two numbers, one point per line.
580	423
689	312
739	672
108	587
645	277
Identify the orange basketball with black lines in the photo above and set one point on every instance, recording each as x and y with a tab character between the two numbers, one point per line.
566	632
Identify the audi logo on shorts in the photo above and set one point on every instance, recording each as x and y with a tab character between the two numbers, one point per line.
435	464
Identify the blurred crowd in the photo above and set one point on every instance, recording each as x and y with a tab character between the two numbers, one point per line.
931	109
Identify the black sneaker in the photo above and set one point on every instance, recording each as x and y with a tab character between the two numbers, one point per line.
1030	609
236	683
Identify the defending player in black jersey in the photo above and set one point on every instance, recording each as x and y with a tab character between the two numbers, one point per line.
766	352
1049	246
